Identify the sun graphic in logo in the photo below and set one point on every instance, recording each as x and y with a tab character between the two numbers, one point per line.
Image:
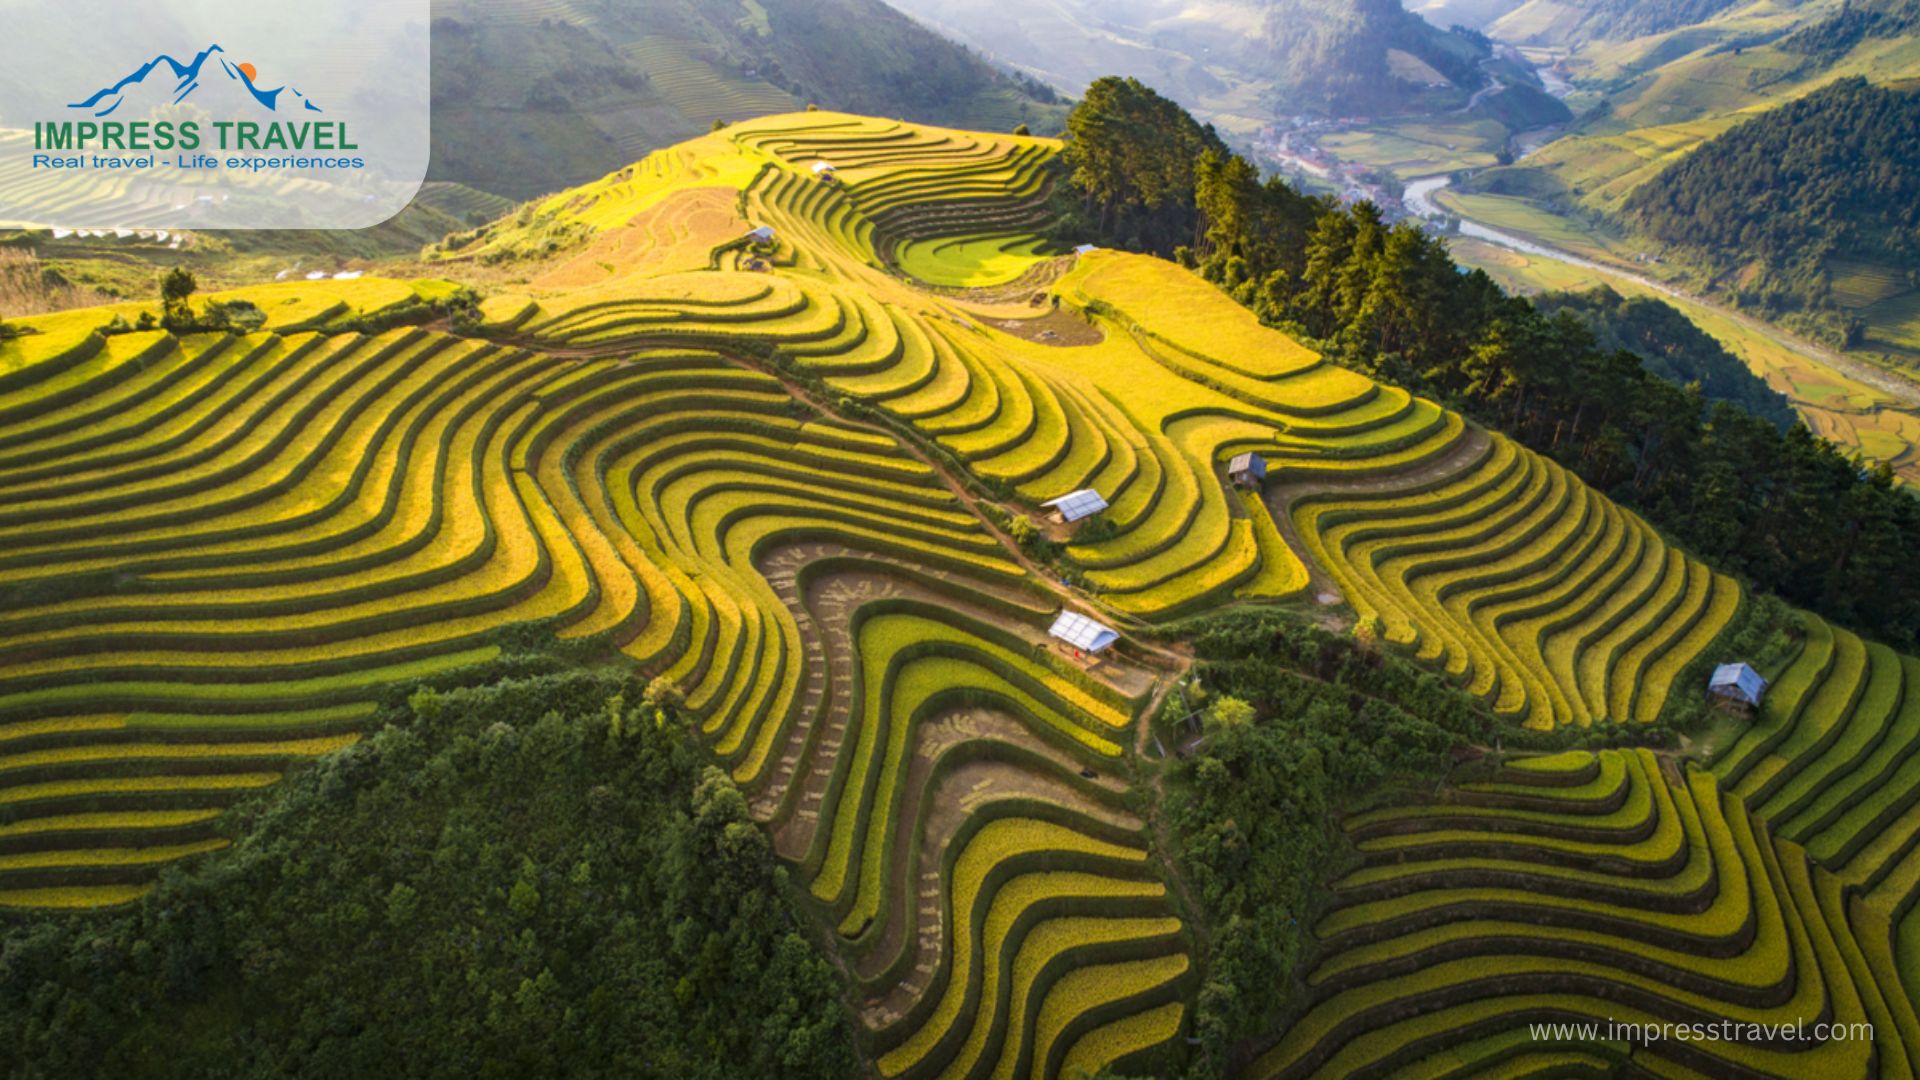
252	73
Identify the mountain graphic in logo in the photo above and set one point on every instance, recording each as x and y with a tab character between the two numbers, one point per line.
172	82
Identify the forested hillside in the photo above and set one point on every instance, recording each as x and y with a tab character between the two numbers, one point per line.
1568	22
1855	22
1672	347
1332	54
1765	207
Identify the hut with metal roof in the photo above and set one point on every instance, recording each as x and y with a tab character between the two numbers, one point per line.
1075	505
1083	633
1737	682
1248	470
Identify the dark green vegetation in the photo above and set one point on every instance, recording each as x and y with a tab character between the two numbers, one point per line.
505	877
1763	208
1788	510
1854	23
1132	159
1300	725
1672	347
530	96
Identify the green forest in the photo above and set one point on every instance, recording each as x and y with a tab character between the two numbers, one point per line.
1764	207
1255	809
541	868
1670	346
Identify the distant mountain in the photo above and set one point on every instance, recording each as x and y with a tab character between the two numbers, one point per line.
1336	54
1473	14
535	95
1238	63
1572	22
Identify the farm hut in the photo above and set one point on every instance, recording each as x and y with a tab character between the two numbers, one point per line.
1083	633
1075	505
1248	470
762	235
1085	248
1737	682
824	170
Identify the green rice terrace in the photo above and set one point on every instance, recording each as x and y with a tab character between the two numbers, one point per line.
776	415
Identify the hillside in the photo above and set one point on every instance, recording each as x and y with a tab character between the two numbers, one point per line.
603	851
394	539
1648	104
1799	204
1671	347
1573	22
533	95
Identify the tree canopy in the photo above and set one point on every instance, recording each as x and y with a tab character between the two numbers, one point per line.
500	879
1766	205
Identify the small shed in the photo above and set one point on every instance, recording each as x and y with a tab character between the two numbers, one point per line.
1085	248
1737	682
762	235
1075	505
824	170
1083	633
1248	470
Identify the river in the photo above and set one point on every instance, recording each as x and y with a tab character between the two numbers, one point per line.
1419	200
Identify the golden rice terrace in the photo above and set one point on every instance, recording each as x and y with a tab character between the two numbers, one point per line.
753	422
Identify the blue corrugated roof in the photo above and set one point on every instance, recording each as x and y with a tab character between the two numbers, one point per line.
1738	681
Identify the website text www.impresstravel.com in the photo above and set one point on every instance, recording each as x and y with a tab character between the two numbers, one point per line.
1647	1033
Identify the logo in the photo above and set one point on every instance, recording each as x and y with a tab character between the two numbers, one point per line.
227	79
214	114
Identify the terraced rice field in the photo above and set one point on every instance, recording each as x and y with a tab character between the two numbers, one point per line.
765	471
1830	763
461	201
1547	600
701	91
219	553
1590	887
